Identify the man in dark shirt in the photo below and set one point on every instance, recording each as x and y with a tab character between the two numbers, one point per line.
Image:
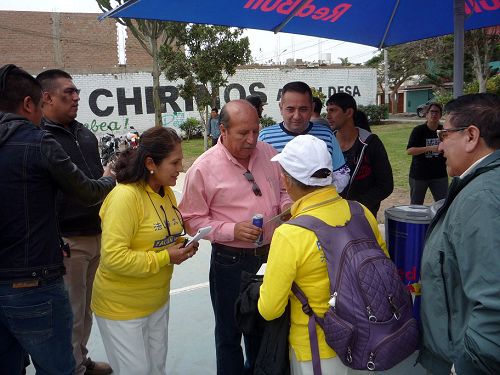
371	173
80	226
428	166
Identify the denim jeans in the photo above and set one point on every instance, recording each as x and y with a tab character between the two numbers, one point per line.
36	321
225	277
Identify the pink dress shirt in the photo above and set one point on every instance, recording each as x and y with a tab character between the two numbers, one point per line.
216	193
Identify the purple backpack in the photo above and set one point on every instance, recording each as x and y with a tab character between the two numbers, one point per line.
369	323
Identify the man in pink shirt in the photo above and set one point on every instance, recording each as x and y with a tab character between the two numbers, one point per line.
224	188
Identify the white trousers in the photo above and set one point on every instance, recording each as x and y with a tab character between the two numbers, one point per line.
137	346
329	366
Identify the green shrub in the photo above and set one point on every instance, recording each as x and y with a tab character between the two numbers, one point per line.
374	112
266	121
492	86
192	128
442	96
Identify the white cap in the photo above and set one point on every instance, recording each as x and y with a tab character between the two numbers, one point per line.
303	156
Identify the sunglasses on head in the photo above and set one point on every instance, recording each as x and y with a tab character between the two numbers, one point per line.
255	188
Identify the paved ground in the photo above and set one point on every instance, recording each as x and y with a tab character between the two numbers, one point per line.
191	349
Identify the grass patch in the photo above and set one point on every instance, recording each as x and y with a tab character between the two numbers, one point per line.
191	150
395	138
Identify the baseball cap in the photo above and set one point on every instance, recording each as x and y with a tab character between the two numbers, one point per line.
303	156
255	100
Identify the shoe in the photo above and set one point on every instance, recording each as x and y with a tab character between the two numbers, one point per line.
97	368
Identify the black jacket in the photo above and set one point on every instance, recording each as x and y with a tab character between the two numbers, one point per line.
76	219
34	167
371	180
272	358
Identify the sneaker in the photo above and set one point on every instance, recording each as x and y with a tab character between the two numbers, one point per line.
97	368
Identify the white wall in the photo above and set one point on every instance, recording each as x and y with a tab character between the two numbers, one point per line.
119	101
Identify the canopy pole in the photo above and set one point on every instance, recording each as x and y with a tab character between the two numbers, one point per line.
278	28
458	47
386	78
382	42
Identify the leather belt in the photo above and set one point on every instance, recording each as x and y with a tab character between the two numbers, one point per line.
242	251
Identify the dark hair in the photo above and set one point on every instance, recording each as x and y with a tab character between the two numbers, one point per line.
15	85
361	120
47	78
297	86
320	173
342	100
156	143
317	104
434	104
215	110
481	110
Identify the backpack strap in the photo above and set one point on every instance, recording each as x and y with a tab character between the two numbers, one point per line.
311	325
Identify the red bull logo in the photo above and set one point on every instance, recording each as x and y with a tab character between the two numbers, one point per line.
410	275
478	6
309	9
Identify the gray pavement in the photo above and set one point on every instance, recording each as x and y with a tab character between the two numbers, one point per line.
191	346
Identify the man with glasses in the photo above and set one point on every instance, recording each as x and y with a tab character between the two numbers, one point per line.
246	183
79	225
428	168
460	274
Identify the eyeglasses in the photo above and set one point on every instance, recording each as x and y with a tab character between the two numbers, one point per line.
443	133
255	188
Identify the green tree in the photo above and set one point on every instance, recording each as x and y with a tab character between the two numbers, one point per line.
485	46
405	60
204	57
151	35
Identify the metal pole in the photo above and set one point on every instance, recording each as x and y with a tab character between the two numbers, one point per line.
386	77
458	50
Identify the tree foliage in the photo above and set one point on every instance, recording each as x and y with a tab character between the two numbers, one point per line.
484	45
150	34
405	60
210	55
204	56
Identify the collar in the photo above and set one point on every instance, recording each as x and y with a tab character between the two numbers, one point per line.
220	147
306	131
468	170
314	199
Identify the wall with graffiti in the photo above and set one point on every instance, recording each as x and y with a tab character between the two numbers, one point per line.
113	103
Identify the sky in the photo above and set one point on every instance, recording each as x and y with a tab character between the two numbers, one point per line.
266	46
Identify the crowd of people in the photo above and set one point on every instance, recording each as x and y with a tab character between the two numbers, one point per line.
80	240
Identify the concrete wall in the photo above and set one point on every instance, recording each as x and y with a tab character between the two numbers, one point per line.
124	100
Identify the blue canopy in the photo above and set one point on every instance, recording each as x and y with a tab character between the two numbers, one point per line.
377	23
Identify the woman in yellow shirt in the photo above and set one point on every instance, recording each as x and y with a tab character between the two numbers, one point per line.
141	241
295	255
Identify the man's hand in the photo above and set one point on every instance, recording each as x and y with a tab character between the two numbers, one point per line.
179	254
246	231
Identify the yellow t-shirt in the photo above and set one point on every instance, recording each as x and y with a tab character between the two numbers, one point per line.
133	278
296	256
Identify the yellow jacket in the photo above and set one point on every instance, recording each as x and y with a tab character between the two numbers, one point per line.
296	256
133	278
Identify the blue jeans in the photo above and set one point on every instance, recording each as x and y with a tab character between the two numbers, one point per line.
225	277
36	321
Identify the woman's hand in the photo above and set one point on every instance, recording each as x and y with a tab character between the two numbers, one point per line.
179	254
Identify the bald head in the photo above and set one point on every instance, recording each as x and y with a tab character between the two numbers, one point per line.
239	128
236	109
